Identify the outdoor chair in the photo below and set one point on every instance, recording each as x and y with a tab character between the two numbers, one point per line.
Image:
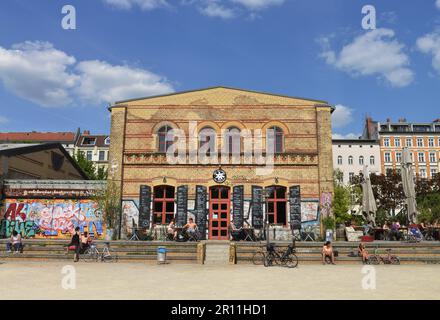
353	235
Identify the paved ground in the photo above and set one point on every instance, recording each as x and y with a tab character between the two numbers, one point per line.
43	280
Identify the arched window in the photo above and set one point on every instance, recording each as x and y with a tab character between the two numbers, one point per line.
164	141
275	139
163	204
361	160
372	161
232	141
350	160
340	160
207	139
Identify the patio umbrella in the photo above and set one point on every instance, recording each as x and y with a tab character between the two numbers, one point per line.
408	186
368	201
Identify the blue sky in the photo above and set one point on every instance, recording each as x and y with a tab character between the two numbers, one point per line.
53	79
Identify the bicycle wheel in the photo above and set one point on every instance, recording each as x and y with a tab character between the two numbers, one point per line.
394	260
258	258
291	261
90	255
374	260
109	255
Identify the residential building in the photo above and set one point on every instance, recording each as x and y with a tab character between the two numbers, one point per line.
350	157
422	139
94	147
66	139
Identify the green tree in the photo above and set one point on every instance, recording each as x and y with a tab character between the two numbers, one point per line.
341	204
101	174
89	167
109	204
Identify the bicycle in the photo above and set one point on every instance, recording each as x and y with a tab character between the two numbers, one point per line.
93	254
388	259
286	258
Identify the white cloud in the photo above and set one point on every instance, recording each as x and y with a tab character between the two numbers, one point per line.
437	4
38	72
342	116
351	136
143	4
214	9
373	53
258	4
103	82
430	44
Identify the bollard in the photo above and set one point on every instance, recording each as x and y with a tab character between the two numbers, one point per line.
161	255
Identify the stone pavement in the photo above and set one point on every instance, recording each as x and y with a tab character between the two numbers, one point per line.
42	280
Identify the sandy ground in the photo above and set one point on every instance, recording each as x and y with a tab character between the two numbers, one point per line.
43	280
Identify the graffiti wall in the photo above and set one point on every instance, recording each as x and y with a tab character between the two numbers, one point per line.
50	218
130	216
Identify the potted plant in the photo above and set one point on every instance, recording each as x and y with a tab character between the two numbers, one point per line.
329	225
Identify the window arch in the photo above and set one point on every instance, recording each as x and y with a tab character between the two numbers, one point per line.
232	141
372	160
207	139
361	160
164	141
339	160
350	160
275	139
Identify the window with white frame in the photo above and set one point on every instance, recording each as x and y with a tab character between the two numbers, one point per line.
398	157
386	142
351	177
350	160
421	157
433	173
419	142
387	157
431	142
361	160
397	142
340	160
409	142
432	157
372	161
423	173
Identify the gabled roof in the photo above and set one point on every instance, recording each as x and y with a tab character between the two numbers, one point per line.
99	140
11	151
220	95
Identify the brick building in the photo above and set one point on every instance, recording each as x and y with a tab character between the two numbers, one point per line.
422	139
232	186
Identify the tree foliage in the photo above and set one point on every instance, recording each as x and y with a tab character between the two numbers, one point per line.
89	167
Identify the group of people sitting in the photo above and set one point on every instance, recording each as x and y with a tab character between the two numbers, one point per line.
189	231
329	253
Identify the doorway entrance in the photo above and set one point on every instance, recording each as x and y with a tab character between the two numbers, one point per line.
219	212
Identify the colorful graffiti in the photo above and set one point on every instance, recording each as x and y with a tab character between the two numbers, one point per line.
130	216
309	211
50	218
326	204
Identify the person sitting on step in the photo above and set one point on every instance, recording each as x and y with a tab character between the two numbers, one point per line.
327	251
191	228
15	242
362	252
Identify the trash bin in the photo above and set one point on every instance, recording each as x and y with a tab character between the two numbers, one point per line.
161	255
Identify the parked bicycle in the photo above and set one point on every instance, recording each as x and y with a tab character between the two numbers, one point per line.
106	255
388	259
272	256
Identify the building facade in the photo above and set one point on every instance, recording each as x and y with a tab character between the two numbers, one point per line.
214	179
422	139
94	147
350	157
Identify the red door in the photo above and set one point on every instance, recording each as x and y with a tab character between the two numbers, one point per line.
219	212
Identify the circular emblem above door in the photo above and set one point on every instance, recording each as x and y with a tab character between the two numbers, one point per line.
219	176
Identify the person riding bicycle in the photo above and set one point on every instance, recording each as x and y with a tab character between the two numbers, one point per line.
327	251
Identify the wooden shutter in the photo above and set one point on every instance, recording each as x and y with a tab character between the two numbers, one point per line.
200	210
295	207
144	206
257	207
238	206
182	206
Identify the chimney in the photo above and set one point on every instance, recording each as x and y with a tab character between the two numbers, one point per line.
388	120
86	132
